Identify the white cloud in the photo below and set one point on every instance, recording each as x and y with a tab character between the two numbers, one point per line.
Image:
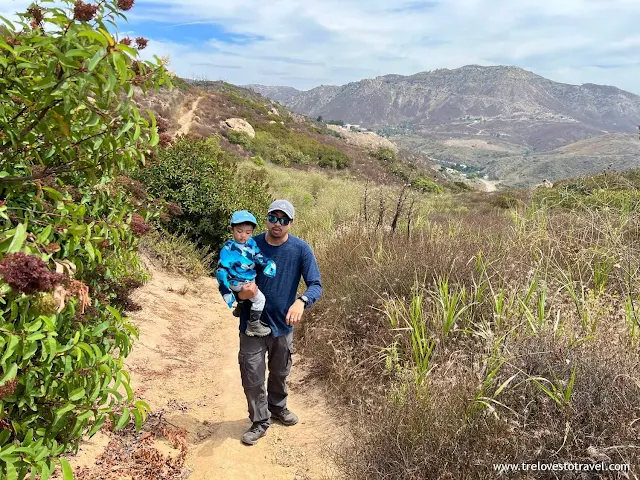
312	42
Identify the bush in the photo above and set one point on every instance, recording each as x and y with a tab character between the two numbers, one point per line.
238	138
426	184
385	155
196	175
283	146
70	225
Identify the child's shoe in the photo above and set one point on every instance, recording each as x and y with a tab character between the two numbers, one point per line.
255	328
237	310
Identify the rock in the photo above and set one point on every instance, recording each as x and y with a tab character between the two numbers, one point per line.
239	125
545	184
272	121
274	111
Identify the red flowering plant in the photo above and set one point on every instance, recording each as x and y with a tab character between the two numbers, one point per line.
69	229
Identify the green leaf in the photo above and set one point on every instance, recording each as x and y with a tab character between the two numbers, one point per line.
90	250
4	436
18	238
12	344
11	373
99	55
97	331
138	419
34	326
45	234
129	390
32	348
77	394
95	35
76	52
12	473
124	419
45	472
34	337
53	194
52	346
142	406
7	22
97	426
67	473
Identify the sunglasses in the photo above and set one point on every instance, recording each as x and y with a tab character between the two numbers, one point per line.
282	221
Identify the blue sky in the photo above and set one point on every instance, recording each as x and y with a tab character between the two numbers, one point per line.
305	43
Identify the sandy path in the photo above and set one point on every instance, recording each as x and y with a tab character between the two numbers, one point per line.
186	120
489	186
185	366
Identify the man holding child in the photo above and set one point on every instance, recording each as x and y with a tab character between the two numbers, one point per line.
293	259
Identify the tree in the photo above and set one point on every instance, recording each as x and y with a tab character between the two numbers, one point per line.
70	219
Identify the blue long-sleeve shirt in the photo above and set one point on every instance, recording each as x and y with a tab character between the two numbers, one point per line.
237	264
295	260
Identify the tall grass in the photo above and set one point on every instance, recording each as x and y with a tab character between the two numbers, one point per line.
501	336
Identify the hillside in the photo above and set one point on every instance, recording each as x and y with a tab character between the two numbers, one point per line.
522	106
481	115
203	109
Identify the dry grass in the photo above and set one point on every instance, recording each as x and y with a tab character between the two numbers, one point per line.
485	336
176	254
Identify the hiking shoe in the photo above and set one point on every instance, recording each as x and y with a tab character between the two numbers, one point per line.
237	310
285	417
255	328
255	433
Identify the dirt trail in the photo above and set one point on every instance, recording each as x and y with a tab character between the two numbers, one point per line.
185	366
186	120
489	186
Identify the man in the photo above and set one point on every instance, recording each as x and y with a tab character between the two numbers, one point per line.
284	309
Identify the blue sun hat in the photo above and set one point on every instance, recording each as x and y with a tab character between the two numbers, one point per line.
243	216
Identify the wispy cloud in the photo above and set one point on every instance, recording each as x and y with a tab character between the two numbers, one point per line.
338	41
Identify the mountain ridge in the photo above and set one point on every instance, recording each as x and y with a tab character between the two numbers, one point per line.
439	100
510	124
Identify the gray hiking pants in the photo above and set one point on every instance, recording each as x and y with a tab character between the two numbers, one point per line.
253	369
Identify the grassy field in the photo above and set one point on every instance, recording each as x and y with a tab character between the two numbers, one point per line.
487	335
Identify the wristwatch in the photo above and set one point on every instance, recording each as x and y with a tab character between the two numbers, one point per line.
304	299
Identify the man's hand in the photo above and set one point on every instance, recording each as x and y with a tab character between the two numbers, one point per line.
295	312
249	290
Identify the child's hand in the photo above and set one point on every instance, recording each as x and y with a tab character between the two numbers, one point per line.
249	290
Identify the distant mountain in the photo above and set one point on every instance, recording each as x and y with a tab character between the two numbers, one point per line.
279	94
508	103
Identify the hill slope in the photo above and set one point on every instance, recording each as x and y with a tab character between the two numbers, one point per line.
511	102
509	123
203	109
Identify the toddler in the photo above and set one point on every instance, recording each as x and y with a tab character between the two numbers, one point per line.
237	267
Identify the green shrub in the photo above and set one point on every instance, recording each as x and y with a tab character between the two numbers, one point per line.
385	154
426	184
196	175
331	157
605	191
283	146
69	230
238	138
258	160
